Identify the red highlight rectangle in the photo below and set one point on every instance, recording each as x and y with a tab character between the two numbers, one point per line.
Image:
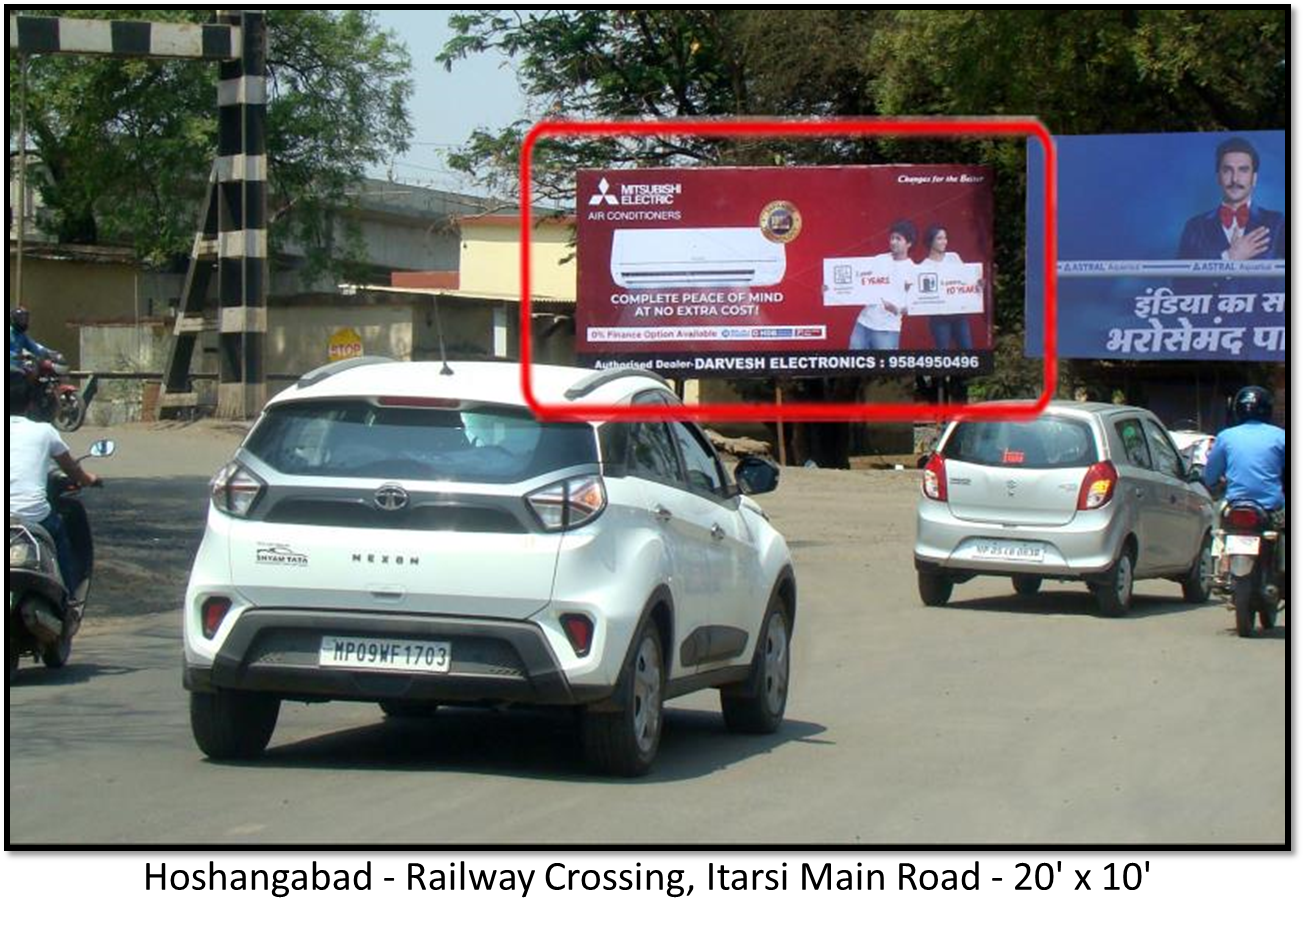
976	127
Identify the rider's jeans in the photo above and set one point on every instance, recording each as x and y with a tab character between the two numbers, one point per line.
69	567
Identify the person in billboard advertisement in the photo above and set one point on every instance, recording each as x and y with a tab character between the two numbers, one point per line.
1238	229
878	327
950	332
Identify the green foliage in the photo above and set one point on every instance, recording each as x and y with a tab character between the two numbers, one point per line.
126	144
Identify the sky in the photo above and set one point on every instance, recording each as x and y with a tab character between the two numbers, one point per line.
446	107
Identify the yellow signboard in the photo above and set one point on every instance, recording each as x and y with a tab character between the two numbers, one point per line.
344	344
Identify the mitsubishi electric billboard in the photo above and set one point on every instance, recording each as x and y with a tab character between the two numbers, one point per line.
769	271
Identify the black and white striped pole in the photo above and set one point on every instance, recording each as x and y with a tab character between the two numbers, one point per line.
238	42
242	219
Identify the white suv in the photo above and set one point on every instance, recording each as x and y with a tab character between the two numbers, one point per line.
390	532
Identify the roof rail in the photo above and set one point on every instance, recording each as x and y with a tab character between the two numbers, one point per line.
313	377
602	377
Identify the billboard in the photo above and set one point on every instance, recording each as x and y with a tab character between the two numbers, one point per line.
1171	247
785	271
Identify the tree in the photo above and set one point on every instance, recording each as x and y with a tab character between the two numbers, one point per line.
126	144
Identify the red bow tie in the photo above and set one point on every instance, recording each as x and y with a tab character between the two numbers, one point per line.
1241	214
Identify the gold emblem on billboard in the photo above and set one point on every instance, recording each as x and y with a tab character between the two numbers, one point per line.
780	221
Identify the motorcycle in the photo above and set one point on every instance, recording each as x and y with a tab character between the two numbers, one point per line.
59	402
43	614
1249	565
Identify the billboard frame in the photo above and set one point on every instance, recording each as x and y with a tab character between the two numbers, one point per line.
946	127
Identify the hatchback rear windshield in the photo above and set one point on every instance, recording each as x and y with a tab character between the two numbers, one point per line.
361	439
1045	443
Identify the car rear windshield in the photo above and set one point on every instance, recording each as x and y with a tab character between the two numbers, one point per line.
1045	443
365	440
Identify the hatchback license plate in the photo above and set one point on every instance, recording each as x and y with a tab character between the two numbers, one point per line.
385	654
1241	544
1010	551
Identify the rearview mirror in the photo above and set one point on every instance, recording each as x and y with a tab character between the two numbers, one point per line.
1195	473
756	475
103	448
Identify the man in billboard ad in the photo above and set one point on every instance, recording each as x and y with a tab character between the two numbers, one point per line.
878	326
1239	228
1187	263
781	272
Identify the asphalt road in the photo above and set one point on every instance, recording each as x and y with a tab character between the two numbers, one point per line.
995	720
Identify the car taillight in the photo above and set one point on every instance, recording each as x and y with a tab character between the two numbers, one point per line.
1097	486
934	484
212	613
579	631
1242	519
568	503
235	489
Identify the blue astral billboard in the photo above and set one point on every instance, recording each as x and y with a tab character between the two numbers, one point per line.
1171	247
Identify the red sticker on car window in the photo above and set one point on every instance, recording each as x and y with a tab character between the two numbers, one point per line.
1012	456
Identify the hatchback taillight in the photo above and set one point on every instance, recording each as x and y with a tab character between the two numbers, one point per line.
934	484
1242	519
1097	486
235	489
568	503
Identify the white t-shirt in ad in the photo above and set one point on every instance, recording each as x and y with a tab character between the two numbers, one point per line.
877	318
32	446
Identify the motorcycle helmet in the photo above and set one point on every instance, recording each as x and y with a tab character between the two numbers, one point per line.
1253	403
19	317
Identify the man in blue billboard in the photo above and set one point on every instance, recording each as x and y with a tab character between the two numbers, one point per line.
1237	229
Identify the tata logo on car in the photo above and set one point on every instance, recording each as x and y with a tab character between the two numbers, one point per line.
391	497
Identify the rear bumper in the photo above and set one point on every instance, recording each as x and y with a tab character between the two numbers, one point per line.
276	650
1086	546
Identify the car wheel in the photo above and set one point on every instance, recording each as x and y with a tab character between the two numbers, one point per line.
1198	581
934	588
1027	585
624	741
233	724
757	705
55	656
1114	590
409	710
11	648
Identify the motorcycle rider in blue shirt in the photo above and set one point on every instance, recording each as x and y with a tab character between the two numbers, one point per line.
1252	455
21	342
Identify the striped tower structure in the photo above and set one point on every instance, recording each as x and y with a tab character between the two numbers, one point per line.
241	175
233	223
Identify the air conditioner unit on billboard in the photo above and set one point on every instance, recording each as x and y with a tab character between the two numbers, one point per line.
648	258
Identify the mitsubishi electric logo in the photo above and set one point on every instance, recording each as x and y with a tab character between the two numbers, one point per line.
635	194
602	197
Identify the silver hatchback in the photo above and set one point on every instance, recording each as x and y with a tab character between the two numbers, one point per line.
1087	492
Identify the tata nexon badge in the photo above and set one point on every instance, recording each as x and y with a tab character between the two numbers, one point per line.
785	271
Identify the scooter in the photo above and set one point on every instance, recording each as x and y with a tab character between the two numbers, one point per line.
1249	565
43	615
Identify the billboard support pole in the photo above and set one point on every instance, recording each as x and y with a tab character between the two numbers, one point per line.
778	425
